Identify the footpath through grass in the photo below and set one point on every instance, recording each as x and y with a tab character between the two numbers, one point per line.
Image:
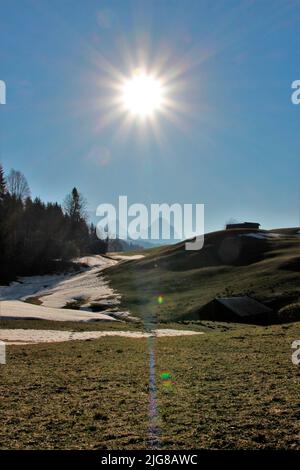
232	389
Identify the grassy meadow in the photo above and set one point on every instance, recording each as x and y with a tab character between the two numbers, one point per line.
234	387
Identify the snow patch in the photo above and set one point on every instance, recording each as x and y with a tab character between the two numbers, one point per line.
85	289
21	336
56	291
17	310
124	257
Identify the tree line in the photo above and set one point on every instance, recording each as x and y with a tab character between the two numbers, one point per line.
38	237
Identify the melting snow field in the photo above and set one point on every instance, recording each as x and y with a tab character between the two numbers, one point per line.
58	291
20	336
17	310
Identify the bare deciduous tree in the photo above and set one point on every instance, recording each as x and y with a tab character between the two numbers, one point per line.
2	183
17	185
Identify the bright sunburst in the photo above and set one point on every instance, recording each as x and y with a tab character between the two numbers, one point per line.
142	94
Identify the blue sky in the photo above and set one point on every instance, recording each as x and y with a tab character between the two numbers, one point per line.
232	142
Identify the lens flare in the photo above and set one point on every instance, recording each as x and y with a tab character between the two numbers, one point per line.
167	382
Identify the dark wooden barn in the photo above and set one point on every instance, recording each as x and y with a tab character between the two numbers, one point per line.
236	309
248	225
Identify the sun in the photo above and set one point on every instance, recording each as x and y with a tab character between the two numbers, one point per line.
142	94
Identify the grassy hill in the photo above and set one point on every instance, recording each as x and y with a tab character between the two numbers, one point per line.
263	264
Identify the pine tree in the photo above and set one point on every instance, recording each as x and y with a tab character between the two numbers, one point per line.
75	205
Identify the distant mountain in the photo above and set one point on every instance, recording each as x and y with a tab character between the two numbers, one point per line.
159	226
123	245
162	226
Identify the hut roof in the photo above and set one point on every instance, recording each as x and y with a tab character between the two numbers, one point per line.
244	306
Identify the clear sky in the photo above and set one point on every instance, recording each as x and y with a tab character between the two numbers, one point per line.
230	140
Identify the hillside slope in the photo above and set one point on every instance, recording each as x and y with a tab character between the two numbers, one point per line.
171	283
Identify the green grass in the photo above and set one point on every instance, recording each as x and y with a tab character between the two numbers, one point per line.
232	389
73	326
227	265
115	325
